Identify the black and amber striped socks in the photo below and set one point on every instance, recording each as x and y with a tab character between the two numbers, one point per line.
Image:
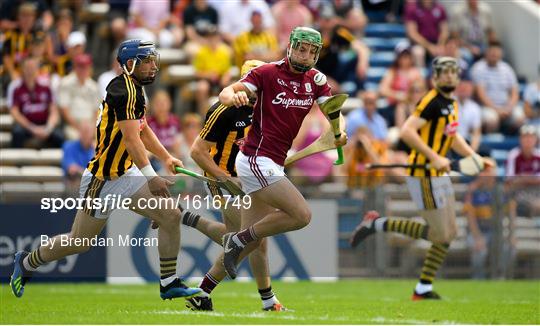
410	228
33	260
434	259
167	270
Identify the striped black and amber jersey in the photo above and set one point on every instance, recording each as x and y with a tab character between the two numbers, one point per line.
17	44
124	101
438	133
226	126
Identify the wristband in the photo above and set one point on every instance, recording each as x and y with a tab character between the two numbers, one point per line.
148	172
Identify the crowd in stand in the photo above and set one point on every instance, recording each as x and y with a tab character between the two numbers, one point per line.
54	72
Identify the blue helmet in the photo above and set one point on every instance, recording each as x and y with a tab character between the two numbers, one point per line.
135	49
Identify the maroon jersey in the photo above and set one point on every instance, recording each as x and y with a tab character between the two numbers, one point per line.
283	101
517	164
33	104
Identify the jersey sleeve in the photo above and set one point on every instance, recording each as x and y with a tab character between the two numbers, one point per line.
253	79
216	125
425	109
121	97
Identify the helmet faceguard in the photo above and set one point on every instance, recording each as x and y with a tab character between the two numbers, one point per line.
441	64
138	51
308	36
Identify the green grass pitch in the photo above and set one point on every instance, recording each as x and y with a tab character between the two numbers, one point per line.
342	302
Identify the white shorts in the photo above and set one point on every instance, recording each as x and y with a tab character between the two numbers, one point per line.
123	187
257	172
430	192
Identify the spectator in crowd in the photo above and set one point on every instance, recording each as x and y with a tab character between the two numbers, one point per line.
9	13
151	21
414	95
78	96
523	172
257	43
197	16
472	22
452	49
46	74
212	64
497	91
470	115
234	17
398	79
34	112
192	124
351	15
318	168
288	14
59	35
344	59
76	44
427	28
165	124
364	149
105	78
531	102
77	153
368	117
17	41
479	206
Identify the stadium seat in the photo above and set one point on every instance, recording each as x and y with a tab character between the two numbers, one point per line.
6	122
385	30
499	155
3	105
171	56
374	75
17	156
41	173
499	141
381	59
10	173
382	44
180	73
49	156
5	139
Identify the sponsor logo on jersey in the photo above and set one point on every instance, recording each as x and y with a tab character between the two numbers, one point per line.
451	129
292	102
240	124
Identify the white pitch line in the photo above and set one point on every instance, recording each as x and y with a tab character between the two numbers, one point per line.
384	320
259	315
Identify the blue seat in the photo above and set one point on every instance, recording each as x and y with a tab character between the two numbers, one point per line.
500	142
381	59
375	74
383	44
385	30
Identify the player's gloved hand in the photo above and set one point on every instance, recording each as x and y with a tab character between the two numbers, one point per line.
441	163
172	163
342	140
160	186
240	99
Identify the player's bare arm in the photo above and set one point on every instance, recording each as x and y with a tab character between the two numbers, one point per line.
409	134
135	147
200	153
152	143
236	94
